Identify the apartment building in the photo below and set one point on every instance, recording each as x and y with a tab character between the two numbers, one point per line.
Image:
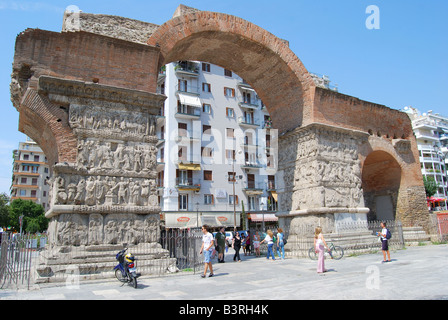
30	171
217	151
431	131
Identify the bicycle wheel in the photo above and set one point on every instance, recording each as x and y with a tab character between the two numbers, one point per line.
337	252
312	253
119	275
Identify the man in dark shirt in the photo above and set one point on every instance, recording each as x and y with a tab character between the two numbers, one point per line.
221	242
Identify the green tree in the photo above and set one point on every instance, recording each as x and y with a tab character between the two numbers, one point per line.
4	210
430	186
33	216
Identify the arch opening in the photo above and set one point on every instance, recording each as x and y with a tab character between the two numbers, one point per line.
381	180
261	59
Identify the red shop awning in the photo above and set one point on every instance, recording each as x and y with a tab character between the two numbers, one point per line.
258	217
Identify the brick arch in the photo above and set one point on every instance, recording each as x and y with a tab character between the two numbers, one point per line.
260	58
47	124
381	182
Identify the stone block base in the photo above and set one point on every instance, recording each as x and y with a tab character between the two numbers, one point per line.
72	264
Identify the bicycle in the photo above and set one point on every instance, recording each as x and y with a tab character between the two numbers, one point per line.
336	252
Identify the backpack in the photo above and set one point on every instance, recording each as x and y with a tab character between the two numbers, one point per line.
388	234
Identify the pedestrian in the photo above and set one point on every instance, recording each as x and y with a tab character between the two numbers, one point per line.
257	244
221	244
384	242
207	249
247	244
270	242
320	245
237	246
280	243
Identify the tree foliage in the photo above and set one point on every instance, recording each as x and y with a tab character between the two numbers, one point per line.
430	186
33	216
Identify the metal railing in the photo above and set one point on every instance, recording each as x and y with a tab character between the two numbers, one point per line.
16	258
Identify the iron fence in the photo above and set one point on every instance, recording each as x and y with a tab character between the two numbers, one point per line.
26	259
16	257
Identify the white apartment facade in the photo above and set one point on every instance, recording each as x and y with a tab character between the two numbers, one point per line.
217	151
431	132
30	173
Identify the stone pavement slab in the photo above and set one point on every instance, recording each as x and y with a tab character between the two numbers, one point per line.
415	273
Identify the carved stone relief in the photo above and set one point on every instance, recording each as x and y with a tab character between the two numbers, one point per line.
321	169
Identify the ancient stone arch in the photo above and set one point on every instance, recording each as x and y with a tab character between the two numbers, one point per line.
89	99
259	57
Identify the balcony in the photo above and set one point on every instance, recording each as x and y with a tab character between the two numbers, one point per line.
244	85
426	136
247	122
250	104
186	184
187	68
185	137
252	188
251	165
188	112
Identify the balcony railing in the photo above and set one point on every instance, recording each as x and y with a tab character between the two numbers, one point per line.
187	67
188	111
247	121
188	183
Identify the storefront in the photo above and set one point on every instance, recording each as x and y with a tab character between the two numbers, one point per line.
190	219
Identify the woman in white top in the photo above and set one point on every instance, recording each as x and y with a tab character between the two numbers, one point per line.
269	240
320	245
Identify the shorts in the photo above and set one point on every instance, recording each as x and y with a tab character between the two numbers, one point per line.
208	256
384	245
221	248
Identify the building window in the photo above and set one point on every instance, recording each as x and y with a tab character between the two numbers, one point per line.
36	158
207	152
230	113
251	201
231	197
229	92
182	153
208	175
26	157
208	199
230	154
231	176
206	67
183	202
206	108
206	87
34	182
183	85
35	169
33	193
206	129
23	181
227	73
22	193
230	132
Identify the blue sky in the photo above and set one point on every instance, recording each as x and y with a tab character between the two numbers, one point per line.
403	63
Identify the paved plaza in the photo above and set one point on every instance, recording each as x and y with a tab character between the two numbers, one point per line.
415	273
